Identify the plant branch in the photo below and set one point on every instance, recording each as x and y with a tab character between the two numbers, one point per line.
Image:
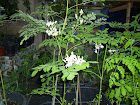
101	79
3	88
65	21
54	97
64	93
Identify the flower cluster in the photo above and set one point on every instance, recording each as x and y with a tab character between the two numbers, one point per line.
85	18
81	13
73	59
98	47
51	28
80	19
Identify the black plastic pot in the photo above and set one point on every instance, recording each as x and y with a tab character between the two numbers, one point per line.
17	98
88	93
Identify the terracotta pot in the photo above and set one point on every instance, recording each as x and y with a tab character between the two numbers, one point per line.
2	51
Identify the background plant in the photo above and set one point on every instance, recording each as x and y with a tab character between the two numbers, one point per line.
123	66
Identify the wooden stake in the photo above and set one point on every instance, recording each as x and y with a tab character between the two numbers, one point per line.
128	13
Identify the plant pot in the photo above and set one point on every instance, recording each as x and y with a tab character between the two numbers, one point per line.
2	51
11	103
17	98
88	93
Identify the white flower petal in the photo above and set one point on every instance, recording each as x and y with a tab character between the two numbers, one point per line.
76	16
81	12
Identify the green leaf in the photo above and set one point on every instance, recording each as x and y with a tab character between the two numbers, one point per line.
71	40
111	83
123	91
129	43
132	68
130	62
55	69
116	75
34	73
65	74
76	67
112	93
117	83
118	93
129	88
121	70
138	94
122	82
138	66
47	68
72	75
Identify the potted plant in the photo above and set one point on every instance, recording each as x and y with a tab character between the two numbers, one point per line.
116	57
9	84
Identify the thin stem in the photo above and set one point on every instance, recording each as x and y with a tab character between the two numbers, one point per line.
54	84
67	49
59	53
77	7
58	100
76	103
80	4
101	79
91	72
64	93
74	46
98	65
65	21
29	98
104	59
3	88
79	88
54	97
54	55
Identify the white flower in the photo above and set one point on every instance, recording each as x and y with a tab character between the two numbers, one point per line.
55	33
81	21
79	60
98	47
51	28
93	16
101	46
111	51
81	12
73	59
68	65
76	16
50	23
96	51
103	19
